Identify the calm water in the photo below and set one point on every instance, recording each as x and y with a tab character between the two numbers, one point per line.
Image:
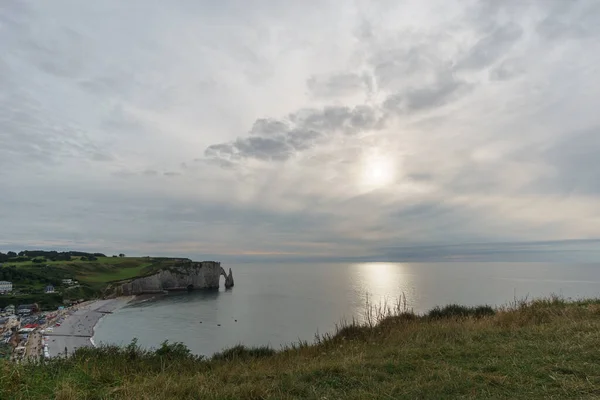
278	304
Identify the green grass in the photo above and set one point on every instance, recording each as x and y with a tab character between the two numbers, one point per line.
104	273
103	270
545	349
94	276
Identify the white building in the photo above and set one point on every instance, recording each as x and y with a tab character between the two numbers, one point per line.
6	287
49	289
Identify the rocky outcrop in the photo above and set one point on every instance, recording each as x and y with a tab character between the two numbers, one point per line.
183	276
229	280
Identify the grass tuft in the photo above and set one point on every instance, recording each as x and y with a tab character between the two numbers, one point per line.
458	311
241	352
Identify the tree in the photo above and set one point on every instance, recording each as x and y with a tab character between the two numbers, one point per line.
11	254
121	255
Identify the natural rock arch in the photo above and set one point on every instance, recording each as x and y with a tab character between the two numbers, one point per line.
228	278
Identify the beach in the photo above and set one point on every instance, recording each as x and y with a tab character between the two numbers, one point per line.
77	328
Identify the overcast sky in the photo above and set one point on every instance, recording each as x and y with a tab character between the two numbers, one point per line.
295	128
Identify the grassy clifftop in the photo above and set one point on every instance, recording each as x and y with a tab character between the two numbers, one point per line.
98	272
93	274
542	349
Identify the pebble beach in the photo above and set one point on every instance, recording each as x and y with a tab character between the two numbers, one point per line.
77	327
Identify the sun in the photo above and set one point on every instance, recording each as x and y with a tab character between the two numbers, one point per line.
377	171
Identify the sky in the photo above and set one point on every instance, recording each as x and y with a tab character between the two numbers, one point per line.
332	129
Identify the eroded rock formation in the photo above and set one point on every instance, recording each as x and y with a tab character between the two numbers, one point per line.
229	279
184	276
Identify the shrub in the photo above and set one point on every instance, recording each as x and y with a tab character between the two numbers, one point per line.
352	331
241	352
458	311
173	351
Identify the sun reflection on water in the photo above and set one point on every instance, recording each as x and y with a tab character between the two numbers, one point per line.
382	284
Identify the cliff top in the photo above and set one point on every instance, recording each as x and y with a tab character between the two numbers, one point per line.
32	274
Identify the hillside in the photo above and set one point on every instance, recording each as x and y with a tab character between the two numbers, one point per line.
536	350
31	272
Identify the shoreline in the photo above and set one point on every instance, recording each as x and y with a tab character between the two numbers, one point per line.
78	327
123	301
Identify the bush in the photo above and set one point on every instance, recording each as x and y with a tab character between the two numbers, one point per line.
173	351
352	331
458	311
241	352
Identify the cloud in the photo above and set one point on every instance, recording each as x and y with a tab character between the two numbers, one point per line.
336	85
297	128
274	140
491	47
445	90
507	69
575	164
569	21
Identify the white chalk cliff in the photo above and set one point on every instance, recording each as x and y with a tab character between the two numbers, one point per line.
184	276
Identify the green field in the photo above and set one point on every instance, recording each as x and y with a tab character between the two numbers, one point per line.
107	269
30	278
546	349
100	271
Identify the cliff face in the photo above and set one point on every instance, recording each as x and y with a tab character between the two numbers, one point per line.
186	276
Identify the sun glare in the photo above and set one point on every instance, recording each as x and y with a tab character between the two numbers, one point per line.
377	171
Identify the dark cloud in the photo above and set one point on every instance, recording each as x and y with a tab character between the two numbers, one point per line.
268	127
303	139
274	140
264	148
336	119
447	88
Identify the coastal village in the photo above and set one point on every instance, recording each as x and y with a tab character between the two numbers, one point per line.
55	300
38	291
24	328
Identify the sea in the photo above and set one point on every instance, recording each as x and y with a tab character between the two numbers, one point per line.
279	304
